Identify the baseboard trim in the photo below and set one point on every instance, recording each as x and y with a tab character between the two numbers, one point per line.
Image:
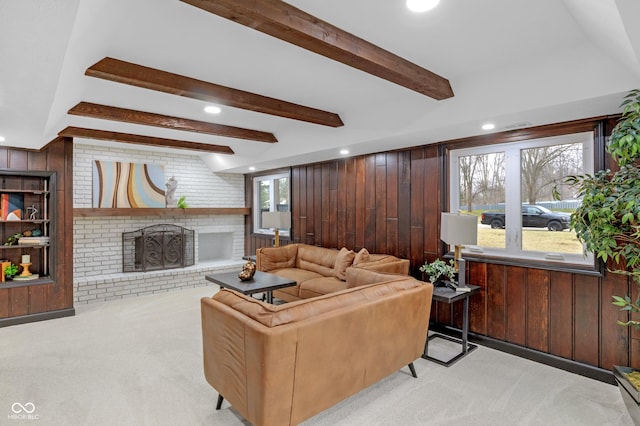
43	316
571	366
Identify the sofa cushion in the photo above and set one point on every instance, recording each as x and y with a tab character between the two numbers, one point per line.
272	316
361	257
278	257
287	294
344	259
316	259
321	286
297	275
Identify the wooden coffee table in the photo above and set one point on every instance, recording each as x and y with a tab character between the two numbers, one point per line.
262	282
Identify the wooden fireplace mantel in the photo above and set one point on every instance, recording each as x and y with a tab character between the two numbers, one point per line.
161	212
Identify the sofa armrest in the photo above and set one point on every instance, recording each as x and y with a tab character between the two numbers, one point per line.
395	266
271	258
241	356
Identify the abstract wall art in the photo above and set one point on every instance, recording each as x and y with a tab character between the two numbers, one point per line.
11	206
127	185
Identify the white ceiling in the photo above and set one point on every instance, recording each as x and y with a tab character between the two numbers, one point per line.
508	61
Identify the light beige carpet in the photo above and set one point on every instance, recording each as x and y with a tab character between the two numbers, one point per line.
139	362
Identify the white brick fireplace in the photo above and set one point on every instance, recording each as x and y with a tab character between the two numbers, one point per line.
219	239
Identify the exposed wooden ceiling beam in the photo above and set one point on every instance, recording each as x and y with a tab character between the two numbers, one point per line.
104	135
163	81
283	21
105	112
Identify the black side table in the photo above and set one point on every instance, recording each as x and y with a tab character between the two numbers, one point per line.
447	295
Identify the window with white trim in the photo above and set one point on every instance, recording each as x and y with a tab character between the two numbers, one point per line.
270	194
510	188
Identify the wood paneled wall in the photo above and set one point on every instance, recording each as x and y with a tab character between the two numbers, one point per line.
391	203
369	202
57	296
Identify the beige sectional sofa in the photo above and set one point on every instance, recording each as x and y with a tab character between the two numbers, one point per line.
319	270
281	364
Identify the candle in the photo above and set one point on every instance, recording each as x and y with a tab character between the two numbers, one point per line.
26	258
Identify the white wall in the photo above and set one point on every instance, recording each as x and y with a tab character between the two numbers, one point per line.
97	241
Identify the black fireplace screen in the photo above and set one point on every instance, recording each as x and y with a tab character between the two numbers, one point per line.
157	247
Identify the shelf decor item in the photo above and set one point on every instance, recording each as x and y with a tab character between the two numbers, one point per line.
26	262
11	206
10	271
13	239
248	271
29	277
4	264
170	199
41	240
182	202
33	212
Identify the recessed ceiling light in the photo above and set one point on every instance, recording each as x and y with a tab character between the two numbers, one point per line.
488	126
252	168
421	5
212	109
2	139
344	151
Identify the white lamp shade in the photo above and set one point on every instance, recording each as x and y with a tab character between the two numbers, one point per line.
276	220
459	229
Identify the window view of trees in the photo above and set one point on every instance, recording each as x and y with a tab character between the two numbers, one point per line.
271	194
481	179
545	166
265	195
510	188
482	176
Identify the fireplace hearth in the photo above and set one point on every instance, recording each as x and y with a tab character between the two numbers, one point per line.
157	247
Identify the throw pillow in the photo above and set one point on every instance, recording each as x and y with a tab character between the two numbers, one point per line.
362	256
343	261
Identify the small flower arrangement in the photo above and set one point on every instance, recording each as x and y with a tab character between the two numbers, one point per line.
439	270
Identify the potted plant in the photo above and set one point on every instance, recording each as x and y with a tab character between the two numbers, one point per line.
182	203
439	272
10	271
608	219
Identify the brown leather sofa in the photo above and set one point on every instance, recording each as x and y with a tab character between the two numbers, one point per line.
279	365
319	270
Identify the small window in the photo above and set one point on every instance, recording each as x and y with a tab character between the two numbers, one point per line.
510	188
270	194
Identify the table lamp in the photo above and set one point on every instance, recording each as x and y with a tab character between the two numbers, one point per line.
276	221
458	230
